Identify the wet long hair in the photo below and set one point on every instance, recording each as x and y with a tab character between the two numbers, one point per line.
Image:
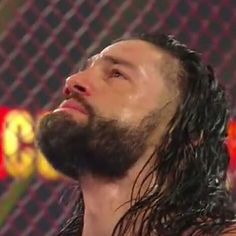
190	195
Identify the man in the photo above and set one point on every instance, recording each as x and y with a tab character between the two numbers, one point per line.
143	129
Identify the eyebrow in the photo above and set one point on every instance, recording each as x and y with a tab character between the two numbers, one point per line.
114	60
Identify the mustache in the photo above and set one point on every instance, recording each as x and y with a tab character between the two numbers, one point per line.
80	99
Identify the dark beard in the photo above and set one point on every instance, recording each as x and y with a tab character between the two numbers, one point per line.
104	148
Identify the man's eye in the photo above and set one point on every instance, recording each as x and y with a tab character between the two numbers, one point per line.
117	74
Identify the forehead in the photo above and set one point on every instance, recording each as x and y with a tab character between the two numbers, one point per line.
137	51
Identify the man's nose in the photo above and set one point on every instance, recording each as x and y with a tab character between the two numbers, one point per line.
76	84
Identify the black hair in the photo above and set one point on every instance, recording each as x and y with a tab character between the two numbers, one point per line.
190	194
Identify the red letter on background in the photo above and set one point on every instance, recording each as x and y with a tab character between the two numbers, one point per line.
232	144
3	113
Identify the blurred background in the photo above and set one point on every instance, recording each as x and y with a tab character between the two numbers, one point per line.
41	43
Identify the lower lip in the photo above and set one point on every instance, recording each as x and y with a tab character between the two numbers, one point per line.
66	108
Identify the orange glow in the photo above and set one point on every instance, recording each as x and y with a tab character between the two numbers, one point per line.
18	155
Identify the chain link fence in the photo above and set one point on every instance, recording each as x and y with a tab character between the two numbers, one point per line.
42	43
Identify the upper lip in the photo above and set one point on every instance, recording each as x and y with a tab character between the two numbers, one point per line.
71	103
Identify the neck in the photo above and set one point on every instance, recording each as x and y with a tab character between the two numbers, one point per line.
107	201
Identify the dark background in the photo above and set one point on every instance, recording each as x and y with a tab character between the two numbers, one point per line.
42	42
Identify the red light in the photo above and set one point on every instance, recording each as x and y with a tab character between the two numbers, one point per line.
3	113
232	144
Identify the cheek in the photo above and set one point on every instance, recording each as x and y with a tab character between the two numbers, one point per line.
120	108
128	107
138	105
135	108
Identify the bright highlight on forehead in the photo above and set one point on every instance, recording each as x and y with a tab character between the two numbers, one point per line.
132	47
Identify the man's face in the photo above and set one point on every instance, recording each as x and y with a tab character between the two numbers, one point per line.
110	114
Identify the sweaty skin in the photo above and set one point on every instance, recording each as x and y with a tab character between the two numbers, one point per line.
125	81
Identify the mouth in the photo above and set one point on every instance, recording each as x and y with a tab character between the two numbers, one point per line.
72	105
